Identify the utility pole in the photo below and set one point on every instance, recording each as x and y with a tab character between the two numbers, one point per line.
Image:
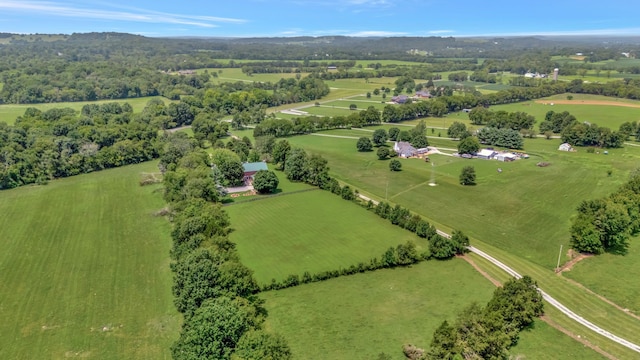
559	255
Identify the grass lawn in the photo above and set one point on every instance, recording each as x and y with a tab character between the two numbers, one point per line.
9	112
311	231
505	209
601	115
84	269
614	277
360	316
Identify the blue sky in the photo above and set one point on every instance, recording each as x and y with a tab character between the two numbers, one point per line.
322	17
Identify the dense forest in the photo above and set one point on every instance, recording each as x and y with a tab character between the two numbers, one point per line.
77	67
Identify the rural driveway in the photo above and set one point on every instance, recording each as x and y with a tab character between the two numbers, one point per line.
555	303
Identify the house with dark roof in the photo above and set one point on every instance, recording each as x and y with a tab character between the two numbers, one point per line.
404	149
400	99
424	94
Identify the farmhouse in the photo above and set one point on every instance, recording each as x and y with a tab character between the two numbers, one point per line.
250	169
404	149
486	154
565	147
425	94
400	99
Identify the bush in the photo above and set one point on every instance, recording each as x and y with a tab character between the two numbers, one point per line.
395	165
468	176
364	144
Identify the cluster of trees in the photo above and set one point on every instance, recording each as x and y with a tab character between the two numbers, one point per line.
503	137
57	143
213	290
583	134
606	224
501	119
488	332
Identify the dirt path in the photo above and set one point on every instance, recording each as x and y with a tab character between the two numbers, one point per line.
578	338
588	102
482	272
571	263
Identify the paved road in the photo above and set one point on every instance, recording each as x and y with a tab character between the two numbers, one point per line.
555	303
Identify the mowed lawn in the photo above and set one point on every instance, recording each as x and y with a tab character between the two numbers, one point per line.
9	112
525	209
84	269
311	231
360	316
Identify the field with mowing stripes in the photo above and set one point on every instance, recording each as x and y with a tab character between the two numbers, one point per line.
311	231
84	269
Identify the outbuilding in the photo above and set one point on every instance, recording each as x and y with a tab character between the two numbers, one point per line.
486	154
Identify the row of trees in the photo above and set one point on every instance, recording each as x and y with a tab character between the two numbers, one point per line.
606	224
213	290
501	119
488	332
56	143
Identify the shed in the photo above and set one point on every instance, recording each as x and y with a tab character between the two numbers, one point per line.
486	154
506	157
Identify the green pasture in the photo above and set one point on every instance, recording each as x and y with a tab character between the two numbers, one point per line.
602	115
236	74
574	297
311	231
329	111
361	104
84	269
9	112
612	276
505	209
360	316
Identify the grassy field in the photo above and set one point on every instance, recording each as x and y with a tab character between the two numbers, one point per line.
609	116
380	311
504	208
84	269
612	276
9	112
311	231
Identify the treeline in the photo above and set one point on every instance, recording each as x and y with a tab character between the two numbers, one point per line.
501	119
56	143
581	133
488	332
606	224
213	290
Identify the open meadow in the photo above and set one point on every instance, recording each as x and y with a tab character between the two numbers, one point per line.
505	207
583	107
84	269
311	231
9	112
360	316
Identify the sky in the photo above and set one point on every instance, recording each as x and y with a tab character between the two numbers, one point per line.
270	18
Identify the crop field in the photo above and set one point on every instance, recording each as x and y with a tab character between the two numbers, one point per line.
84	269
382	310
602	115
312	231
9	112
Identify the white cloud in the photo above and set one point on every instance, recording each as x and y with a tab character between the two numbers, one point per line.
436	32
139	15
376	33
